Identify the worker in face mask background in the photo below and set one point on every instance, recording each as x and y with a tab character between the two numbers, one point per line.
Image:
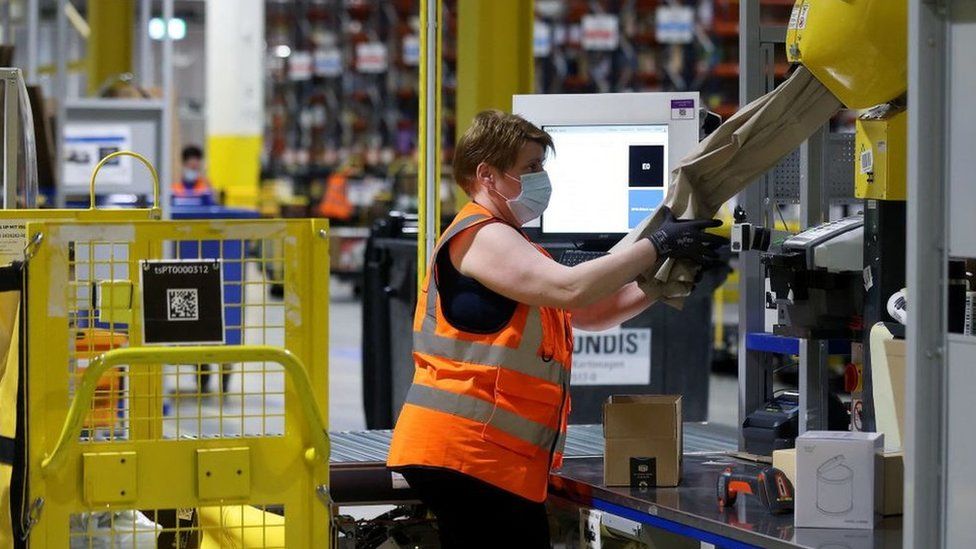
193	188
485	418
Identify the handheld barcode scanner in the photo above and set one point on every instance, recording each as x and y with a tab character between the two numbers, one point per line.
770	485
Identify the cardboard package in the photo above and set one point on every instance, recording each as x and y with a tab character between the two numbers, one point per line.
785	460
838	479
642	436
893	484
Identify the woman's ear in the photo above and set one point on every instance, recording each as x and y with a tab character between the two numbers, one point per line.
483	173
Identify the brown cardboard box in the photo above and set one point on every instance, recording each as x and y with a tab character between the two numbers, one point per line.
892	484
642	426
785	460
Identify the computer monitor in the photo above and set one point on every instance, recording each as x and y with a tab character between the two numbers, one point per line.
614	153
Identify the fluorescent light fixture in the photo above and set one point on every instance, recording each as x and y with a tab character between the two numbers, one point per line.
282	51
157	28
177	28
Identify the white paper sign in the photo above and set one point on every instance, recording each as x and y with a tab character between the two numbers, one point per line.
300	65
801	22
371	57
601	32
411	50
328	62
85	145
620	356
675	24
13	238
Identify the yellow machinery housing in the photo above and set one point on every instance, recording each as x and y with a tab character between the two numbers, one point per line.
858	49
882	153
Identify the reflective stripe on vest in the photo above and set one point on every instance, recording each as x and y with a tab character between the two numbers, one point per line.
481	411
522	359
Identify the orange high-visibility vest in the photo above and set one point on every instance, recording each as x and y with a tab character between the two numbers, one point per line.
492	406
200	187
335	202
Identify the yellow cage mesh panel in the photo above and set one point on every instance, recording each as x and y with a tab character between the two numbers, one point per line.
169	418
215	527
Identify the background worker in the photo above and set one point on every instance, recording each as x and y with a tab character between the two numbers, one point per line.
485	418
193	188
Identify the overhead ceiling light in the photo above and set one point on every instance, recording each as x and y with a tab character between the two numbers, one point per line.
157	28
177	28
282	51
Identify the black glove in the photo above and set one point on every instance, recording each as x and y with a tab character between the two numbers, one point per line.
687	239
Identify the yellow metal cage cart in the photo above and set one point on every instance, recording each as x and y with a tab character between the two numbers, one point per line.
124	446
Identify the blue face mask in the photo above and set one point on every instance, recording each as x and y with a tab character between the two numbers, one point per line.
534	198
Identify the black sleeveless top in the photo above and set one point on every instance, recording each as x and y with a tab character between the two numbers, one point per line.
466	303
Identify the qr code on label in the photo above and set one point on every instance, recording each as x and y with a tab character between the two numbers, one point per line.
182	304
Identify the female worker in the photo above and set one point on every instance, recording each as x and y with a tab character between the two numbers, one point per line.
485	418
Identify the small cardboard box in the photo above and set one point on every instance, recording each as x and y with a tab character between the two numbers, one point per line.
893	485
838	479
642	432
785	460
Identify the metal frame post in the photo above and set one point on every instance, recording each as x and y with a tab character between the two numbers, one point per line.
166	134
755	379
146	73
925	403
430	106
61	92
814	208
813	385
11	133
30	65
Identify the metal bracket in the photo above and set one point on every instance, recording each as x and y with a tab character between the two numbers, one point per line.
33	517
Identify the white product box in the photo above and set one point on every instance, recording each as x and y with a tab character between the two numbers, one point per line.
836	479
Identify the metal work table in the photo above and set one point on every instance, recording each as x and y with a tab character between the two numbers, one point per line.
692	510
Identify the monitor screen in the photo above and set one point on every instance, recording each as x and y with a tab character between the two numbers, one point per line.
606	178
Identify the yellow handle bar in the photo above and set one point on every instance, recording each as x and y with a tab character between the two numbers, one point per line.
140	158
209	354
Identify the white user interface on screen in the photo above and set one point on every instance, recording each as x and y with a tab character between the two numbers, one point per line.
606	178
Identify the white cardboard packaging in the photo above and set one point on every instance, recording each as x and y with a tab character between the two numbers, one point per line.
836	479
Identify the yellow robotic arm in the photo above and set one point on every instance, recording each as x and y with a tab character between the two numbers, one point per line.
858	49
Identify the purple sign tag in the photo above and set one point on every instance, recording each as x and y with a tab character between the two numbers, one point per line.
682	109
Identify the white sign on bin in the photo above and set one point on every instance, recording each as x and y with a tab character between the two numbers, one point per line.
601	32
675	24
328	62
619	356
411	50
300	66
371	57
541	39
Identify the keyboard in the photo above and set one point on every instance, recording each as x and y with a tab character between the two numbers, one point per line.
572	258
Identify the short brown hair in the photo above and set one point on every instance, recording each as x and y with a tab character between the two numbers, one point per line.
496	138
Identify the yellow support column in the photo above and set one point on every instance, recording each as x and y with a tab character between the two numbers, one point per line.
495	58
235	98
110	41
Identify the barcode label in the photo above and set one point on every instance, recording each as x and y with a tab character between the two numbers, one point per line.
969	327
794	17
867	161
182	304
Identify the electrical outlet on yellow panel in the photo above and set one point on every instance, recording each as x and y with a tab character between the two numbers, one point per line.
223	473
110	477
881	154
114	301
